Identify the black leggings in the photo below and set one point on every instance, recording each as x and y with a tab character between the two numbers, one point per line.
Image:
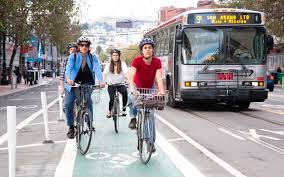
121	89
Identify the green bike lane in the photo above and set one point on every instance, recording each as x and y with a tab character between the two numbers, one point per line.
113	154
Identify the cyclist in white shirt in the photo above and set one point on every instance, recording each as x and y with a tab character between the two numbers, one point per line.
115	73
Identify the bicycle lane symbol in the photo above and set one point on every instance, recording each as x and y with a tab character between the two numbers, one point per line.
119	160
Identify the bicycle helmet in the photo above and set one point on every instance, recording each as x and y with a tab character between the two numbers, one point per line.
72	44
146	41
115	51
83	39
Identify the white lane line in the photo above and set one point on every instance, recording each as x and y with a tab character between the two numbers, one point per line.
67	162
206	152
4	137
181	163
271	131
232	134
175	139
32	145
53	111
41	123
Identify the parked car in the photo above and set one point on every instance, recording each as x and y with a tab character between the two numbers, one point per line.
270	82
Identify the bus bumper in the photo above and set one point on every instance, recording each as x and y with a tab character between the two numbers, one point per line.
224	95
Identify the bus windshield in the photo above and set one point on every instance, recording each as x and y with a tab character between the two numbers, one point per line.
216	45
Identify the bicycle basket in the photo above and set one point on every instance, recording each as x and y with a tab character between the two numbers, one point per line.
150	99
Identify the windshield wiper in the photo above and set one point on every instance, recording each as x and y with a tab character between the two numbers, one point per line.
246	69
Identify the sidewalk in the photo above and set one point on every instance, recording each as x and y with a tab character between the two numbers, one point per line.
7	90
278	86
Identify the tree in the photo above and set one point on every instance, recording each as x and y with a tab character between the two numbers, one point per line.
274	9
14	25
103	56
50	20
98	50
110	47
129	53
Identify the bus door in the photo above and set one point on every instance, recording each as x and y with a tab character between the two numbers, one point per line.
177	59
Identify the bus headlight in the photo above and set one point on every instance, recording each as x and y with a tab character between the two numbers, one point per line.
194	84
255	84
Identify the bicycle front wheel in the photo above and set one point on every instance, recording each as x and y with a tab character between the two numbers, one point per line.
85	131
115	114
144	145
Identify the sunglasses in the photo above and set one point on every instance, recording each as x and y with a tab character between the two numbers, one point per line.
86	45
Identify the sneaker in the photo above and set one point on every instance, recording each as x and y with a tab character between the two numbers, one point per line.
132	123
71	133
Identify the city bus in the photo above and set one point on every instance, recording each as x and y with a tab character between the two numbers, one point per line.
214	55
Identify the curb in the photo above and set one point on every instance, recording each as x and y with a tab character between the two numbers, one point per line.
24	90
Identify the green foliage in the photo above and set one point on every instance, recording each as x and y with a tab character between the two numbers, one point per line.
274	10
98	50
129	53
103	56
51	20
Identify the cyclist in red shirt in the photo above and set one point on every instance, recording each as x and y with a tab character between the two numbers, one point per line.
143	72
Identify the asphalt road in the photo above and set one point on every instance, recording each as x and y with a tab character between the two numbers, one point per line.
218	140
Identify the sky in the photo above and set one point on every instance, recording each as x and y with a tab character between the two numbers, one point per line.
94	9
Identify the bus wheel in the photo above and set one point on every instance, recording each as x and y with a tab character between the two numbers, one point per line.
172	102
244	105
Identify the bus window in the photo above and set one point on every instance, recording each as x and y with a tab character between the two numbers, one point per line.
171	43
246	46
203	45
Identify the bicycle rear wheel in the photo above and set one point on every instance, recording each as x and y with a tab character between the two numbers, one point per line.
115	114
144	145
84	131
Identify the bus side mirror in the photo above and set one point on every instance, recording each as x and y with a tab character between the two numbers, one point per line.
179	37
269	42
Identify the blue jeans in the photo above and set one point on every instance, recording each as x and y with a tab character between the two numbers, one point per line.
133	111
69	104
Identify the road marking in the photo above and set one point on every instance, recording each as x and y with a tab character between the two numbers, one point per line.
269	146
206	152
66	164
232	134
98	155
253	134
4	137
33	145
42	123
271	131
175	139
20	107
185	167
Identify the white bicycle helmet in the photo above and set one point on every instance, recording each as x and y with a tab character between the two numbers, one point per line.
146	41
83	39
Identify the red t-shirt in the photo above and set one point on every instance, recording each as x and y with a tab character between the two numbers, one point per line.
145	74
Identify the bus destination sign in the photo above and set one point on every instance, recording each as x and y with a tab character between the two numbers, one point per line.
224	18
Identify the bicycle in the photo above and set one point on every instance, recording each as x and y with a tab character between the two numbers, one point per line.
83	117
115	111
146	102
97	95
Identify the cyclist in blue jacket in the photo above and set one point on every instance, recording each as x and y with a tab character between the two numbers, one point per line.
80	68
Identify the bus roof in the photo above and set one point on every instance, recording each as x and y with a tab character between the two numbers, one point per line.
183	16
